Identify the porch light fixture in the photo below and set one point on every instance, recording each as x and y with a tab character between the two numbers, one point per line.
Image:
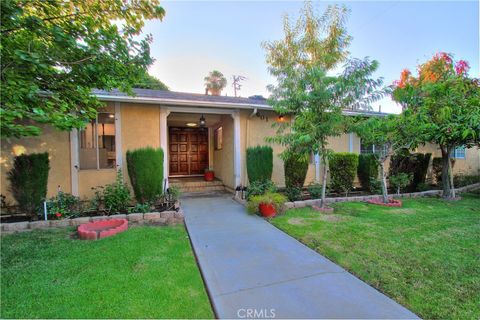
202	121
281	118
191	124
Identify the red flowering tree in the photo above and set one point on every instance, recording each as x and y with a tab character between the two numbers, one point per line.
444	103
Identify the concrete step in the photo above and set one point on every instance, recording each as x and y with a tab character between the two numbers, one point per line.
189	185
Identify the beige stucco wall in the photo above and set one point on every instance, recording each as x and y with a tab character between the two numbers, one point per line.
468	166
223	158
56	143
140	127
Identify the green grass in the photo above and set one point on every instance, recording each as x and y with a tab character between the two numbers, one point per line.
145	272
425	255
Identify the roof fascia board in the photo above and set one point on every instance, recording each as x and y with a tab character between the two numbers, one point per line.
175	102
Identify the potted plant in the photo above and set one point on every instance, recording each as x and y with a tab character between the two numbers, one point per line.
209	175
268	204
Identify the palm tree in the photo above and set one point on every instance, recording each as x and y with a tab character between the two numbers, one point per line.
215	82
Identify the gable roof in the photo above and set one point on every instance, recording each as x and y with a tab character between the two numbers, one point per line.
200	100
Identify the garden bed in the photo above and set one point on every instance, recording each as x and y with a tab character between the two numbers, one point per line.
158	218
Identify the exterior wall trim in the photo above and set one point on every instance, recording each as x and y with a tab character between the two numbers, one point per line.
74	161
118	136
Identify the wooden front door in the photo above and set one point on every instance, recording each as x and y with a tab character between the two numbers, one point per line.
188	151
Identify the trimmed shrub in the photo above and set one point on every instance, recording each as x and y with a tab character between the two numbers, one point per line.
343	168
367	170
259	163
295	168
437	166
28	181
145	169
415	164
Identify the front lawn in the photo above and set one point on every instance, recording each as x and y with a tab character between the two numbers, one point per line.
144	272
425	255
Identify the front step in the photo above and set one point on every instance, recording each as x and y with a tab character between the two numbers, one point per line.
188	185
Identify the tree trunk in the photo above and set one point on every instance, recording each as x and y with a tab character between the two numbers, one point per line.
324	179
450	173
383	182
447	179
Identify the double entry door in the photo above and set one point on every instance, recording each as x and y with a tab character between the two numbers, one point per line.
188	148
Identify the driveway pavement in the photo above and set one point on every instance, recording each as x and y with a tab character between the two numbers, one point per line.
254	270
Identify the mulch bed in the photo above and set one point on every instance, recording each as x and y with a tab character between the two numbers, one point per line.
391	202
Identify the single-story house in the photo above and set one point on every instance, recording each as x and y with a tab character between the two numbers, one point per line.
196	131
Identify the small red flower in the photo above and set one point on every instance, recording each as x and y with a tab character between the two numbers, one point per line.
58	214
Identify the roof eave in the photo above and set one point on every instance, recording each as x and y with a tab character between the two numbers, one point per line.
180	102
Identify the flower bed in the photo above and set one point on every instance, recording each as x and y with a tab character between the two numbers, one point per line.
391	202
101	229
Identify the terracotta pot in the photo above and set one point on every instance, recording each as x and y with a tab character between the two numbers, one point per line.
209	175
267	210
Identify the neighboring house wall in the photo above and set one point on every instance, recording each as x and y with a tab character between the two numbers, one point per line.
56	143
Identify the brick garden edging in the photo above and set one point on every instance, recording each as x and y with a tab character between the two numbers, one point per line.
429	193
155	218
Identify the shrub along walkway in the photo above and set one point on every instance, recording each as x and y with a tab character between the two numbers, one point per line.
253	269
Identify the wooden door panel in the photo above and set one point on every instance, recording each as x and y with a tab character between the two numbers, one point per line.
188	151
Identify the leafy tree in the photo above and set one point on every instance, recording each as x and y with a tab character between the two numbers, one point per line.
301	62
215	82
389	135
53	53
147	81
445	102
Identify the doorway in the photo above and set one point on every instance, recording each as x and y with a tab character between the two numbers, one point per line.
188	151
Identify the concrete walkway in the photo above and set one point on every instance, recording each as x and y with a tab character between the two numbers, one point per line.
254	270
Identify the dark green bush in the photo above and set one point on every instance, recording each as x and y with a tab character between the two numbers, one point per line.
315	190
415	164
462	180
257	188
367	170
145	168
28	181
259	163
343	168
400	181
293	193
437	166
295	168
375	186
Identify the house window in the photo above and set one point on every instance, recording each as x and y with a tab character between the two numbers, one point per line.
366	148
97	143
371	148
218	138
459	153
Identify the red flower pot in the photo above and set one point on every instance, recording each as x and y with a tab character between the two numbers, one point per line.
267	210
209	175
